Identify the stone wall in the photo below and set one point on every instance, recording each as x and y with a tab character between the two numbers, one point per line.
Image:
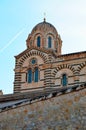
1	93
65	112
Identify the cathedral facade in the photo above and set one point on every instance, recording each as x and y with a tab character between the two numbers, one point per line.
42	65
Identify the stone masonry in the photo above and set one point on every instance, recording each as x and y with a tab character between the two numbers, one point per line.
62	112
1	93
44	46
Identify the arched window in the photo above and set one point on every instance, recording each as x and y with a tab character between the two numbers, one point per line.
49	42
32	76
64	80
36	75
38	41
29	76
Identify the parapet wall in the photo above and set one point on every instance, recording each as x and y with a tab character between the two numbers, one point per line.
63	112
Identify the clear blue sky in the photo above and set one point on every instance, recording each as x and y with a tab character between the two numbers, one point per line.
18	17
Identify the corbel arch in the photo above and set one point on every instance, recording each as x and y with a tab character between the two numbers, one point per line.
82	72
60	71
33	53
62	67
82	65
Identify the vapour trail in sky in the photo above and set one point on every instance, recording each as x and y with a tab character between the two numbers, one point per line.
12	40
68	17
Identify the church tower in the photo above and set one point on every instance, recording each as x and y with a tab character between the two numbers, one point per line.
42	66
33	66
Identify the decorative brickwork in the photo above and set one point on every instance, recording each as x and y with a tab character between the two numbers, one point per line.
50	62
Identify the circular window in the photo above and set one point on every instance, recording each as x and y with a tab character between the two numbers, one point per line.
33	61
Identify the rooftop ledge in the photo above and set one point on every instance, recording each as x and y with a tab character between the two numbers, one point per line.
14	100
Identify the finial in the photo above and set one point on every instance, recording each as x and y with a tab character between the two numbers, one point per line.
44	17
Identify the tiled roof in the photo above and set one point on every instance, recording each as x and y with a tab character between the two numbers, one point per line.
15	100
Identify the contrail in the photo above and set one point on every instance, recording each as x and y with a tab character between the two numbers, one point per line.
12	40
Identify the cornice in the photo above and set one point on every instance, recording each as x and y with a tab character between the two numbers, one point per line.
72	54
44	50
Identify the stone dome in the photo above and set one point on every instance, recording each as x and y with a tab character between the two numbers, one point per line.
44	27
45	35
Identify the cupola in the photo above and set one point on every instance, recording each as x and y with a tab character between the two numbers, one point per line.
45	35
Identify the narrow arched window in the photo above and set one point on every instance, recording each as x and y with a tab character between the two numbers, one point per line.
64	80
36	75
29	76
49	42
38	41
